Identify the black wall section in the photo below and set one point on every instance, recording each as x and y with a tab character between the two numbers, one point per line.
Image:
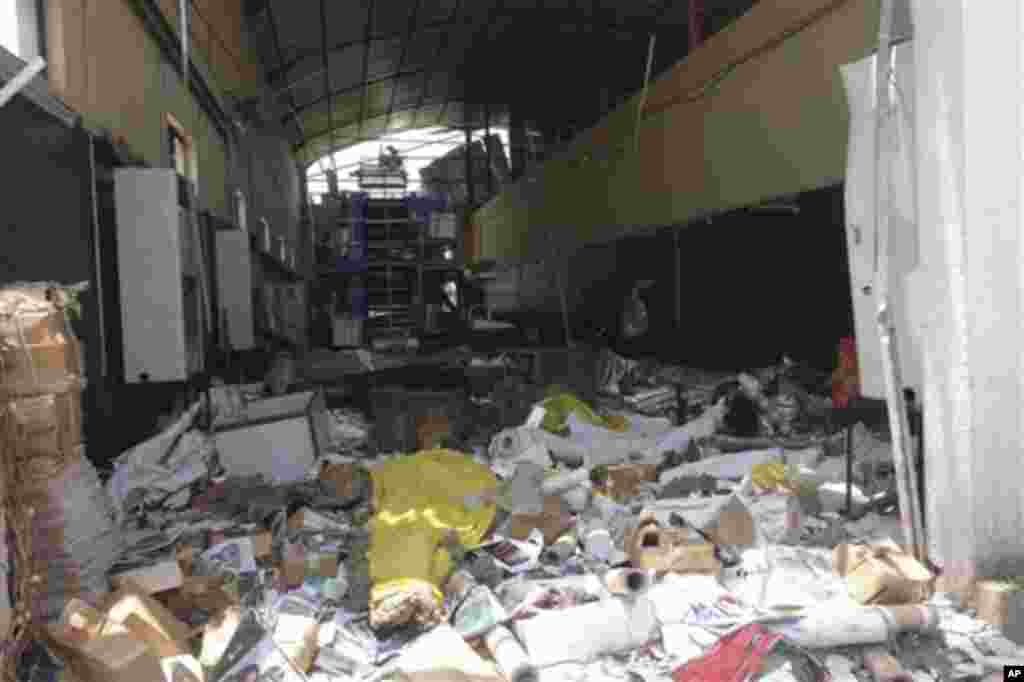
46	226
47	213
754	285
46	222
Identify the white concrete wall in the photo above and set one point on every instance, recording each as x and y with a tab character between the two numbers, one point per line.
966	294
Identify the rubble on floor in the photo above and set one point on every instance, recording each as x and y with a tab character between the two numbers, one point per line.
590	542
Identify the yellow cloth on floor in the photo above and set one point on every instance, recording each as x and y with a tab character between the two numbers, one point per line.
558	407
418	504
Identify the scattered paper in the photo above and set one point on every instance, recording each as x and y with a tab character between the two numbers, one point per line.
234	556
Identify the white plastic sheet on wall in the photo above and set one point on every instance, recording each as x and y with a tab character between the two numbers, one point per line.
897	246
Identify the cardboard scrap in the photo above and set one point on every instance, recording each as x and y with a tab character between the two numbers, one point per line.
133	600
553	521
624	480
882	573
217	636
431	431
125	641
443	655
732	524
677	550
340	479
152	579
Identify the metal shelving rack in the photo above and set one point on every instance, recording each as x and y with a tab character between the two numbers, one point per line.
394	260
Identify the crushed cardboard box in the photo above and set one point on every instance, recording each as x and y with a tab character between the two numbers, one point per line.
652	547
882	573
553	521
624	480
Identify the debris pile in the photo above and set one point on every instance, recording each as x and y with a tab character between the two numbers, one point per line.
611	538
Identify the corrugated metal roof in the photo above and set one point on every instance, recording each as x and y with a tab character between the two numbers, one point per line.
343	71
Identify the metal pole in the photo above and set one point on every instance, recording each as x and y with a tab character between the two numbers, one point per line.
97	250
906	467
470	189
487	147
23	78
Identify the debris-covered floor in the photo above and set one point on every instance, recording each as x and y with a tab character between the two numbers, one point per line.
675	525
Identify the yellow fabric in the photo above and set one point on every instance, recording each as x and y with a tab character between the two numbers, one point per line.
769	475
558	407
418	503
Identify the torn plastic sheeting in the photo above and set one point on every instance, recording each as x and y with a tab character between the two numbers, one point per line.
559	408
690	599
786	577
442	654
417	502
610	447
512	446
737	465
583	633
167	461
75	540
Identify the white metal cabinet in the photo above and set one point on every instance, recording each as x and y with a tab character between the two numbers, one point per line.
161	324
234	281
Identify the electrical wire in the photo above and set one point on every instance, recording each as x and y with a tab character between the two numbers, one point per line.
643	93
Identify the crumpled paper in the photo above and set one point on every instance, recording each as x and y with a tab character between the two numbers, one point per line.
512	446
156	469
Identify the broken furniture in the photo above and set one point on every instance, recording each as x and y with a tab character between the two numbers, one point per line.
279	438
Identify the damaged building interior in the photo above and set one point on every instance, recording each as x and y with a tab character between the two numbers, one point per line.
511	340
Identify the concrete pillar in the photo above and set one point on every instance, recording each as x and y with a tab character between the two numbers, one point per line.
966	296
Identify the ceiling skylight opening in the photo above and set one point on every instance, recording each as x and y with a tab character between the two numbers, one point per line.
417	148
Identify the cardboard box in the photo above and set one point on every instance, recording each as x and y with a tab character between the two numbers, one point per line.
280	438
160	577
205	594
132	600
624	480
652	547
126	641
882	573
217	635
732	524
553	521
111	658
323	565
36	369
339	479
48	425
431	431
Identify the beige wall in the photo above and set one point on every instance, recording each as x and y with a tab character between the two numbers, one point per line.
106	66
774	125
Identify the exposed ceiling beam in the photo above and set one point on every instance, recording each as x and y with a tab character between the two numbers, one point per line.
498	6
327	75
411	29
428	77
551	17
277	46
341	125
358	86
368	34
311	53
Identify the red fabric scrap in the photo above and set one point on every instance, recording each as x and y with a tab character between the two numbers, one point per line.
737	657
